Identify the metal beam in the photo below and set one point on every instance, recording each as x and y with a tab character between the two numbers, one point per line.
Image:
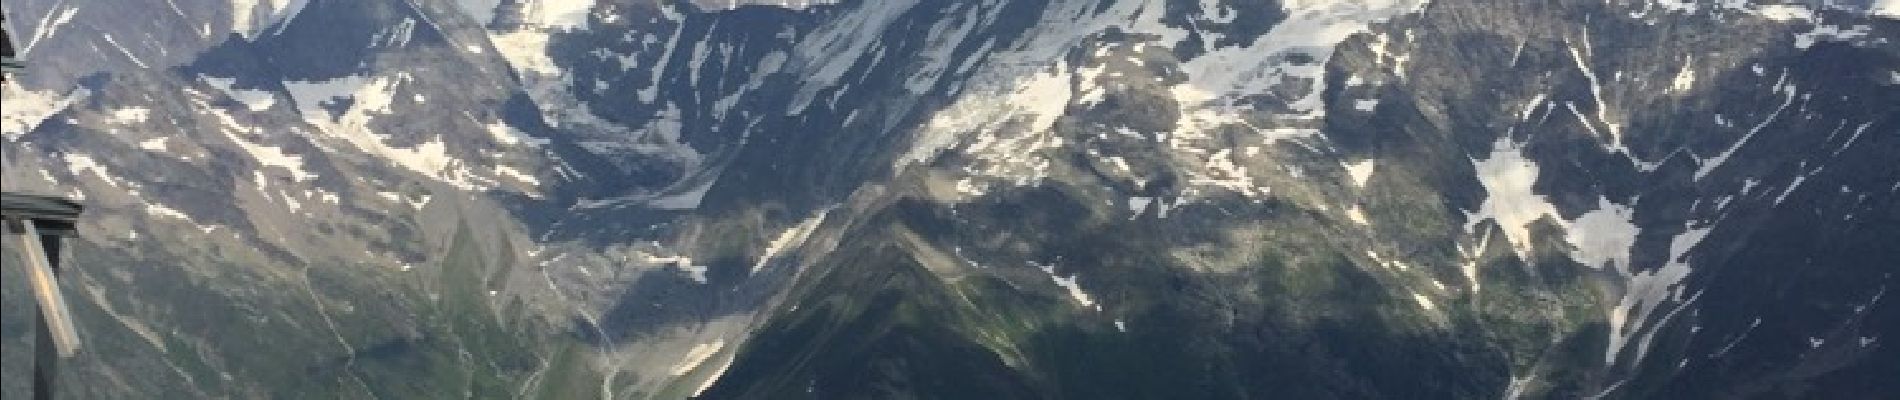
57	338
41	275
45	209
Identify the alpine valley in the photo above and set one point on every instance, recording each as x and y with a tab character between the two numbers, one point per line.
964	199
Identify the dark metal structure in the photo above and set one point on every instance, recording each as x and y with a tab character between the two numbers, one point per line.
38	226
6	48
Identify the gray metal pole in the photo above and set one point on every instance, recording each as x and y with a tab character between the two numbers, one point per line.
45	361
46	356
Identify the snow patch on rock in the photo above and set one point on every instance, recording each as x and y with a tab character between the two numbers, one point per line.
1886	8
1069	284
369	98
1646	291
1507	177
1360	171
26	109
255	100
790	239
696	356
1001	119
1602	237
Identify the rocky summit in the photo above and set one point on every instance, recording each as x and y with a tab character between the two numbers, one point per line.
963	199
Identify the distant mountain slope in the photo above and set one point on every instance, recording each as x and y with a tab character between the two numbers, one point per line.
966	199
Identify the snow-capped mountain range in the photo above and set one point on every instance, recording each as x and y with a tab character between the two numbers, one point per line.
966	199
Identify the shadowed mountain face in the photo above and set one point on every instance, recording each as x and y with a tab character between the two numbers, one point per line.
964	199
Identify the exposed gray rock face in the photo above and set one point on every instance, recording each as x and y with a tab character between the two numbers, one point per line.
966	199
